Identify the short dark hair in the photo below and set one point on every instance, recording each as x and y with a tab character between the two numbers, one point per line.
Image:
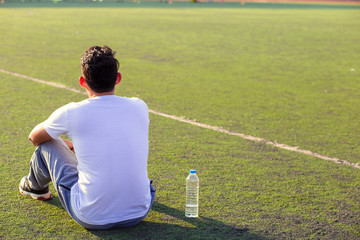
99	68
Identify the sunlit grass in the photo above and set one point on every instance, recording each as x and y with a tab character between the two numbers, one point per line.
284	75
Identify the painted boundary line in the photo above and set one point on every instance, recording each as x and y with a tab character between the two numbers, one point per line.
202	125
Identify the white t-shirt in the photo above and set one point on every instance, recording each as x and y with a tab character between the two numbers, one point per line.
110	137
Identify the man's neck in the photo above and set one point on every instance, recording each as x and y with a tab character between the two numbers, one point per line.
92	94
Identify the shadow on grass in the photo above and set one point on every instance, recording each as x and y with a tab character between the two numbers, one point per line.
200	228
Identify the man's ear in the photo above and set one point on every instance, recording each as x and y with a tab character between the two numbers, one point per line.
82	82
118	79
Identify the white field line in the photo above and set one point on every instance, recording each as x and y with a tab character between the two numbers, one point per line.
58	85
202	125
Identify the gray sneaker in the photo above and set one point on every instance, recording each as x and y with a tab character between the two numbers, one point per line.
25	189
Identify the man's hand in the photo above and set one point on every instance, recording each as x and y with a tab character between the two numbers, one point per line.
69	144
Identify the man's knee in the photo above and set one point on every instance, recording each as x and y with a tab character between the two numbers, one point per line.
51	144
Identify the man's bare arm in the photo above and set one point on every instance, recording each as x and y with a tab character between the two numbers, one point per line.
39	135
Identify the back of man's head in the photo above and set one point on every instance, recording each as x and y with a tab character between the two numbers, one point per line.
99	68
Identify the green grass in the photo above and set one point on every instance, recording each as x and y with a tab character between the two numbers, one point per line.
285	75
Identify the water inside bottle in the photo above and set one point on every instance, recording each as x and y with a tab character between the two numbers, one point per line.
191	210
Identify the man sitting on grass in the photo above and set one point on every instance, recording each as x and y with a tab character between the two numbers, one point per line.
101	176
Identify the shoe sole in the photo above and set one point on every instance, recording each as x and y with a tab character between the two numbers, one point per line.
41	197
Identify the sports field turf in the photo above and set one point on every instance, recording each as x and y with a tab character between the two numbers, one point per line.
286	75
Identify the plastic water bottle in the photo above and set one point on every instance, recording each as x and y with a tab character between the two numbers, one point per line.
192	195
